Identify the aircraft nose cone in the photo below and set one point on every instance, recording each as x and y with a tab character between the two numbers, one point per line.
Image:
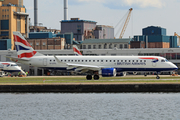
175	67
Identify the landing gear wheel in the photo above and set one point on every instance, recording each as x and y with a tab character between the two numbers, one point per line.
96	77
89	77
157	77
145	74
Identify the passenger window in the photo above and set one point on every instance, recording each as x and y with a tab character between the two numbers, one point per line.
117	60
109	60
75	60
68	60
136	60
101	60
121	60
82	60
133	61
144	60
106	60
71	60
93	60
129	60
89	60
125	60
78	60
86	60
114	60
97	60
140	60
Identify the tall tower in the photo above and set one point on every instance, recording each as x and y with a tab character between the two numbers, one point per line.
65	9
13	17
35	12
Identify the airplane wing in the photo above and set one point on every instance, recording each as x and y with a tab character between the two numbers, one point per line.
82	66
79	67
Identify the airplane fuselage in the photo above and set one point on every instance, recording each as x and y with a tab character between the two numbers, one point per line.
120	63
9	67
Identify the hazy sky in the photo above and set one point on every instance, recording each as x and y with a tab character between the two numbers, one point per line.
163	13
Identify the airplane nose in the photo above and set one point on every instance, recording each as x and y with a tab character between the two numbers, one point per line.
174	66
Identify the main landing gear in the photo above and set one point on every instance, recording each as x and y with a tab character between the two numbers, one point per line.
89	77
145	74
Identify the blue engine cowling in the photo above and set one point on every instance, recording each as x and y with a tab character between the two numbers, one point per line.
108	72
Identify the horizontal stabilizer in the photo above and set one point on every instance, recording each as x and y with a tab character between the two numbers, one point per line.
15	59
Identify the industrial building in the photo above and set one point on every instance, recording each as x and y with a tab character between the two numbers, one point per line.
105	44
13	17
44	40
86	29
154	37
47	44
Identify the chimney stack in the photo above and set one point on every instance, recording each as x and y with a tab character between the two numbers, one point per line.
35	12
65	9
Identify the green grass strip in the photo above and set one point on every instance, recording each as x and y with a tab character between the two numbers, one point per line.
74	79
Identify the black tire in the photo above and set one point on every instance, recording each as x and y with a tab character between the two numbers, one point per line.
145	74
89	77
157	77
96	77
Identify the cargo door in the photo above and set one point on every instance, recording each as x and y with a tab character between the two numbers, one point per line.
45	61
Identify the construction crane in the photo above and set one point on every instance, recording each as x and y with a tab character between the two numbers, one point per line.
126	23
175	34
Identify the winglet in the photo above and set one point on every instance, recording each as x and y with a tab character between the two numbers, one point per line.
59	60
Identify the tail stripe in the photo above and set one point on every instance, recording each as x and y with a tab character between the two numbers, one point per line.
24	49
75	50
27	55
19	47
18	39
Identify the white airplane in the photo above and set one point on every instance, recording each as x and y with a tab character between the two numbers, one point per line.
93	65
9	67
77	52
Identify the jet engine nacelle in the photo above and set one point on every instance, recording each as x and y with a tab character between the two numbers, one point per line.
108	72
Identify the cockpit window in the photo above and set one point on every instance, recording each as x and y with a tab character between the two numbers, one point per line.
13	65
162	60
166	60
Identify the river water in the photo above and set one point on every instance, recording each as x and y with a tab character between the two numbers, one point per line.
90	106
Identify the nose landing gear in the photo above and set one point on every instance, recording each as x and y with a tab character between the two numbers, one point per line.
157	77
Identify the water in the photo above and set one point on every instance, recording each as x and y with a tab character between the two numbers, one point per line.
91	106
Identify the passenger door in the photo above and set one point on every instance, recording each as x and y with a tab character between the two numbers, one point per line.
45	61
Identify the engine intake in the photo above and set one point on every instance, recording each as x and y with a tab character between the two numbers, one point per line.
108	72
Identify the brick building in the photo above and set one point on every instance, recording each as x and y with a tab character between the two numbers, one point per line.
47	44
155	37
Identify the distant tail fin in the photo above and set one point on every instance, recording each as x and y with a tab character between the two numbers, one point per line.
76	51
24	49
